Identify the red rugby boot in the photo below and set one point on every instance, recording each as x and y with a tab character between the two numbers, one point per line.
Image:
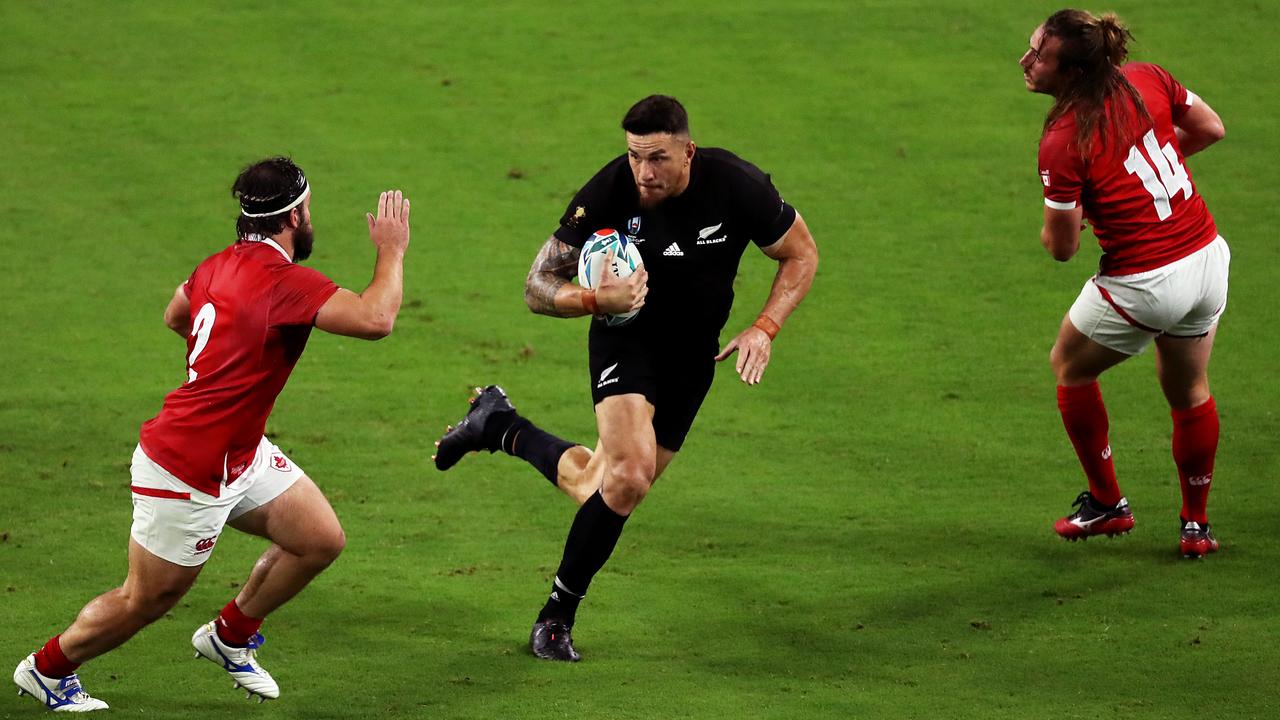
1093	518
1197	540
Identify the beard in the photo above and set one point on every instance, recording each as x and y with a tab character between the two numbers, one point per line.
303	239
650	197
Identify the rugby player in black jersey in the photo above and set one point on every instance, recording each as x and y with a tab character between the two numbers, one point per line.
691	212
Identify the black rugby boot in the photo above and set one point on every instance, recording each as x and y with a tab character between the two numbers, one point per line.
551	640
491	413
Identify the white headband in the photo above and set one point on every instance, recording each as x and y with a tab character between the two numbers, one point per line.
306	190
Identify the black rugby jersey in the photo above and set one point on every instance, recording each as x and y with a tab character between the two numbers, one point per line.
691	243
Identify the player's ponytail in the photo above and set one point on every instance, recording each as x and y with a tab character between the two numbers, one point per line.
1089	58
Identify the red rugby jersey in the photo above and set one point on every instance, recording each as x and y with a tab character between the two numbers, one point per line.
252	310
1140	200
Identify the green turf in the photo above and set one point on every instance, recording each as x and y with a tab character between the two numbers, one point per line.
866	534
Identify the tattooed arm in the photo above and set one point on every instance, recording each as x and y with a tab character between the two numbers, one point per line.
548	290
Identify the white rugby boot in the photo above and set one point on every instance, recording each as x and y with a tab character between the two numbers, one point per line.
57	694
240	663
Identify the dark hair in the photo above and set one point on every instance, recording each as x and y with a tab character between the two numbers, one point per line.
657	114
1089	59
273	182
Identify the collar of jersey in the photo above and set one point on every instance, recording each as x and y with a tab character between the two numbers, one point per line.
268	241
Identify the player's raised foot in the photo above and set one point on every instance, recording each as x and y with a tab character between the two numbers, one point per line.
552	640
490	414
57	694
241	663
1093	518
1197	540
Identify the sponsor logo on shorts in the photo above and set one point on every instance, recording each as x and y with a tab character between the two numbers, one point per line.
280	462
604	377
204	545
1044	177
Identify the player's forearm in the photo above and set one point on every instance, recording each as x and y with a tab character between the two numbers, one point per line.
1193	141
386	291
1062	245
1198	128
549	294
180	324
177	315
182	329
790	285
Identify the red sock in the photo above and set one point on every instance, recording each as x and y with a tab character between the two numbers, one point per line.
234	627
1085	418
1195	443
50	662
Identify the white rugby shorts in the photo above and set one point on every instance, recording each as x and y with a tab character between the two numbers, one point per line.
181	524
1182	299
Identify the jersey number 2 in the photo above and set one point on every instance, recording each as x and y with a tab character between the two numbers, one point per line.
200	330
1172	177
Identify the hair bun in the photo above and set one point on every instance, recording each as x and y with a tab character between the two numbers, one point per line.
1114	38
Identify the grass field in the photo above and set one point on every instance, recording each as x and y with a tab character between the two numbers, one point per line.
866	534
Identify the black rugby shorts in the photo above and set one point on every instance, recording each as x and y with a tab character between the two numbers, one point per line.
673	374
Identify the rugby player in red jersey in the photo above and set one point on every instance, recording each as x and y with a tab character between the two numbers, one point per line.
1113	152
203	462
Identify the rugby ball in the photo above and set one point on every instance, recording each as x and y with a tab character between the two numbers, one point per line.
594	258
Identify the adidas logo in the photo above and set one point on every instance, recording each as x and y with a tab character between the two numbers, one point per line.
673	250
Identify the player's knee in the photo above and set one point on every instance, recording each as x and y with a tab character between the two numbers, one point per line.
1064	370
151	605
1057	361
1185	397
327	546
629	482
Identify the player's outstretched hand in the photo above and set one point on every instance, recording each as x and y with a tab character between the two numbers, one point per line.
620	295
753	347
389	230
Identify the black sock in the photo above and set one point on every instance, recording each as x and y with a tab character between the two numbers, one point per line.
562	604
594	532
536	446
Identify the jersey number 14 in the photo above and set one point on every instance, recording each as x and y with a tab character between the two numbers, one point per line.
1166	179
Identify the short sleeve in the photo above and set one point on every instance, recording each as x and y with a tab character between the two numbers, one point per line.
1180	98
593	204
1061	170
767	216
197	275
299	294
